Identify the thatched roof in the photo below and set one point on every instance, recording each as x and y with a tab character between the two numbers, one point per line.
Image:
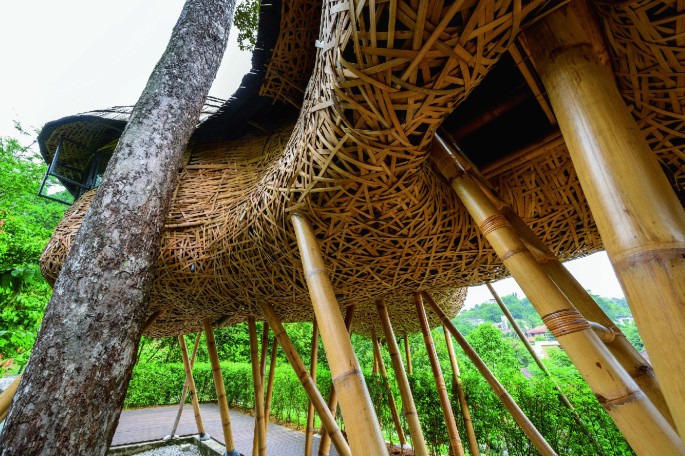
355	160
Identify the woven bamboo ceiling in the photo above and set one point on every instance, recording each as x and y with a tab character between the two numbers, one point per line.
382	81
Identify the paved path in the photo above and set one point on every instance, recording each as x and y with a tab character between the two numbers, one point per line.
142	425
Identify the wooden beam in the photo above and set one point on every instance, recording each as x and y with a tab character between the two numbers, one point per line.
521	419
455	441
408	406
386	385
190	385
325	442
456	378
638	215
628	406
220	389
309	431
306	380
258	387
355	403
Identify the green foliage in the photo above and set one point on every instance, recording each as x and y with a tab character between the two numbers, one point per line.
246	19
26	223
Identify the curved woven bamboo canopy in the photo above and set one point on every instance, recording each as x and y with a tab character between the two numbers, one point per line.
383	81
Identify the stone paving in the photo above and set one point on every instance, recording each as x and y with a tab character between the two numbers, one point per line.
143	425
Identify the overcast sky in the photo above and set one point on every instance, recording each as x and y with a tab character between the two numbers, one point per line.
65	57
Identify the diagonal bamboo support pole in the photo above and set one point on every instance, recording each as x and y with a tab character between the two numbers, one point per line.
220	389
407	353
629	407
190	387
456	378
455	441
259	428
262	373
306	380
325	442
408	406
521	419
638	215
356	406
386	385
562	397
308	440
270	382
7	396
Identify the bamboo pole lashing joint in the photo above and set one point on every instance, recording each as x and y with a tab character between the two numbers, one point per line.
564	322
493	223
605	334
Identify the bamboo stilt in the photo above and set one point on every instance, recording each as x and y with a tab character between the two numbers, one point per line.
386	385
262	373
270	383
190	384
374	370
638	215
220	389
455	441
325	443
306	380
356	406
407	352
258	387
628	406
308	441
456	378
408	406
6	398
562	397
184	393
521	419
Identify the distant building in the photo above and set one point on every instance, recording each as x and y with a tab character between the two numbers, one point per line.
541	330
544	347
626	320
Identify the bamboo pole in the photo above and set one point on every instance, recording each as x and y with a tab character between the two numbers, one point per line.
190	383
626	354
220	389
386	385
325	442
308	441
356	406
258	387
203	436
562	397
270	383
262	373
638	215
306	380
7	396
521	419
629	407
407	353
456	378
408	406
455	441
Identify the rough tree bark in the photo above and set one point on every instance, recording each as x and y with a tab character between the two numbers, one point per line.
72	392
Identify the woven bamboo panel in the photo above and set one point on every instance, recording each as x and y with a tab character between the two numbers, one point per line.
288	71
647	42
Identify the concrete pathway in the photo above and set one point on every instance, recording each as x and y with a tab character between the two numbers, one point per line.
143	425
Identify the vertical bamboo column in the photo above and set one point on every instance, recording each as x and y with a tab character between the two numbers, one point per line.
308	441
355	403
455	441
220	389
562	397
270	383
408	406
258	387
190	383
7	396
407	352
521	419
325	442
638	215
262	373
631	410
185	392
456	378
306	380
386	385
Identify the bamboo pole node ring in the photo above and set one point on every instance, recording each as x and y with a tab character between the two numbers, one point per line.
494	222
564	322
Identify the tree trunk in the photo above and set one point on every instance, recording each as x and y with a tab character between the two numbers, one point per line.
72	392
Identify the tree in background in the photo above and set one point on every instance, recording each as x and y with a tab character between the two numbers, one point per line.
246	20
26	223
